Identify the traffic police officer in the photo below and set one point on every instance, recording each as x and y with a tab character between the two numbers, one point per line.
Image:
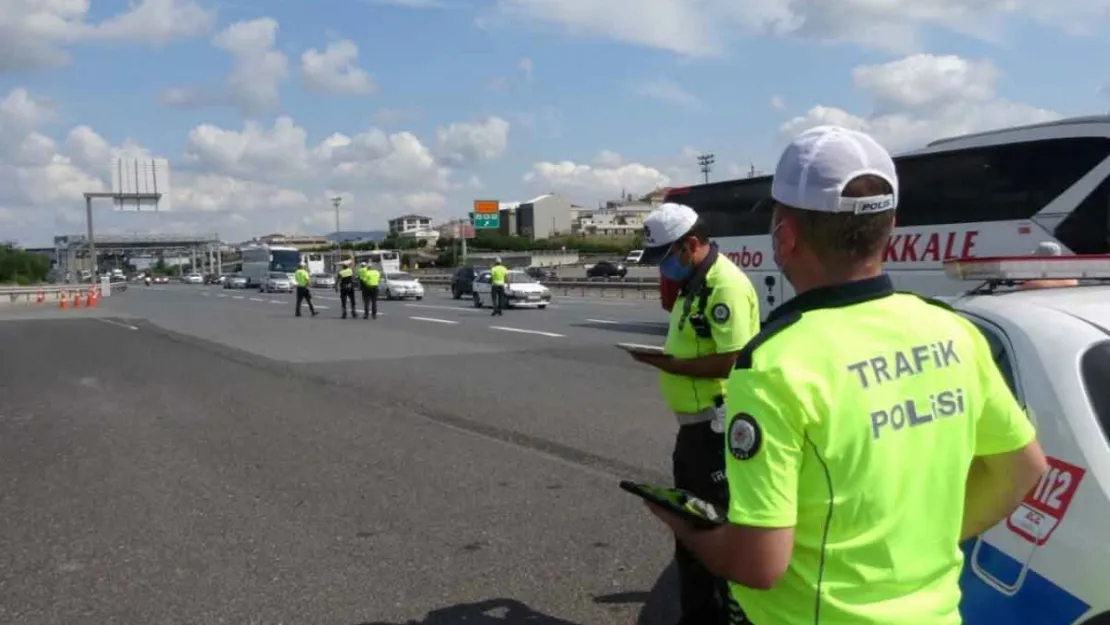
345	284
716	314
369	278
854	417
300	276
498	276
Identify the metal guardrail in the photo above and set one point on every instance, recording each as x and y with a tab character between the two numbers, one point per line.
629	288
50	292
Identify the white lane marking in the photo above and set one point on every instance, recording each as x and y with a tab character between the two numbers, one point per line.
257	299
602	321
205	294
433	320
237	297
276	301
119	324
437	307
221	295
523	331
321	308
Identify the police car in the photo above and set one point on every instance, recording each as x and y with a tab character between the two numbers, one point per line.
1049	562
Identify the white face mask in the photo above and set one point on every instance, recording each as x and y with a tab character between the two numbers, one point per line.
775	247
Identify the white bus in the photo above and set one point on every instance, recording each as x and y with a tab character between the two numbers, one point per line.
260	260
387	261
996	193
313	262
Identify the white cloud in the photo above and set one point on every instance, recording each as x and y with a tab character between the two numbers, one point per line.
37	34
705	27
466	144
778	102
667	90
921	98
336	70
239	182
257	70
602	181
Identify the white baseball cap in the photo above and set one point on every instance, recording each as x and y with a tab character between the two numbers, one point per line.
1049	248
818	164
663	227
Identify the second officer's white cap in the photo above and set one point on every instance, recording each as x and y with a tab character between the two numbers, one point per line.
814	169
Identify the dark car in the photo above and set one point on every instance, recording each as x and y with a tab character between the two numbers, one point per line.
606	269
462	281
541	273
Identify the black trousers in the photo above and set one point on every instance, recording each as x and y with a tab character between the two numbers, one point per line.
370	301
699	467
497	294
345	295
304	295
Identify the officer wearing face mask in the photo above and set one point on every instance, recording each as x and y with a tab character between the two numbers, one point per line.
716	314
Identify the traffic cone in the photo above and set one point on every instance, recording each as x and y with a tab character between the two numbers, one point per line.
76	300
65	300
90	300
41	297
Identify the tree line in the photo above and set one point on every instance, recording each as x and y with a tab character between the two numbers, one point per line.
22	267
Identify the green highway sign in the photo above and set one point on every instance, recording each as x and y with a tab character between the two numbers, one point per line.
487	221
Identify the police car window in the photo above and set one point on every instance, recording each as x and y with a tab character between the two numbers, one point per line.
1095	368
1000	353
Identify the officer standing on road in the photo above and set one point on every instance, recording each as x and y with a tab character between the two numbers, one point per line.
716	314
498	275
854	417
345	284
303	292
369	278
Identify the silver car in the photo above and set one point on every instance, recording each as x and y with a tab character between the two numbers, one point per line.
277	282
322	281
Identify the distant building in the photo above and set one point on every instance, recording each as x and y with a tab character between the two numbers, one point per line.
405	224
615	218
539	218
299	241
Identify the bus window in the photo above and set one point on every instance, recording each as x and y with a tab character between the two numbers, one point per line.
1087	229
1011	181
732	208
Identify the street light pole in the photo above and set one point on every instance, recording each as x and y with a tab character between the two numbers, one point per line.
705	163
335	201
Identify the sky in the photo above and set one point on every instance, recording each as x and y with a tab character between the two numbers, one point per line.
267	109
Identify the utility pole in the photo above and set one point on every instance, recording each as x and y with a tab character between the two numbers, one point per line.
335	201
705	163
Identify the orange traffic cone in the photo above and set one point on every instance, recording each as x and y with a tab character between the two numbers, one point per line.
41	297
65	300
76	300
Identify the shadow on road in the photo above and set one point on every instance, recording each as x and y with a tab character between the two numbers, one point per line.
660	607
489	612
660	603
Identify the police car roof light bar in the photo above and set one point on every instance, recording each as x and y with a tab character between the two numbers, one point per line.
1005	268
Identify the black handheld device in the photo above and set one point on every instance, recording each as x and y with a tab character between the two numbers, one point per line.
701	513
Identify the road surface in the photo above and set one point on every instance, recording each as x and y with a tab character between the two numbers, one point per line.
179	455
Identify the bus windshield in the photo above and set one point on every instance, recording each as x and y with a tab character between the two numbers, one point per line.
284	260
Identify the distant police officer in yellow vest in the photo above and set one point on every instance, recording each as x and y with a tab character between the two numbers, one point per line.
498	277
716	314
300	276
345	284
368	279
870	431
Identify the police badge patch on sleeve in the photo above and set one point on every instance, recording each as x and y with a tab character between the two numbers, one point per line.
720	313
744	437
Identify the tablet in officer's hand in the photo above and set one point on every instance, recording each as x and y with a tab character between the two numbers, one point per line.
636	348
701	513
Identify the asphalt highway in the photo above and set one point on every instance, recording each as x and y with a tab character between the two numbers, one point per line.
198	455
